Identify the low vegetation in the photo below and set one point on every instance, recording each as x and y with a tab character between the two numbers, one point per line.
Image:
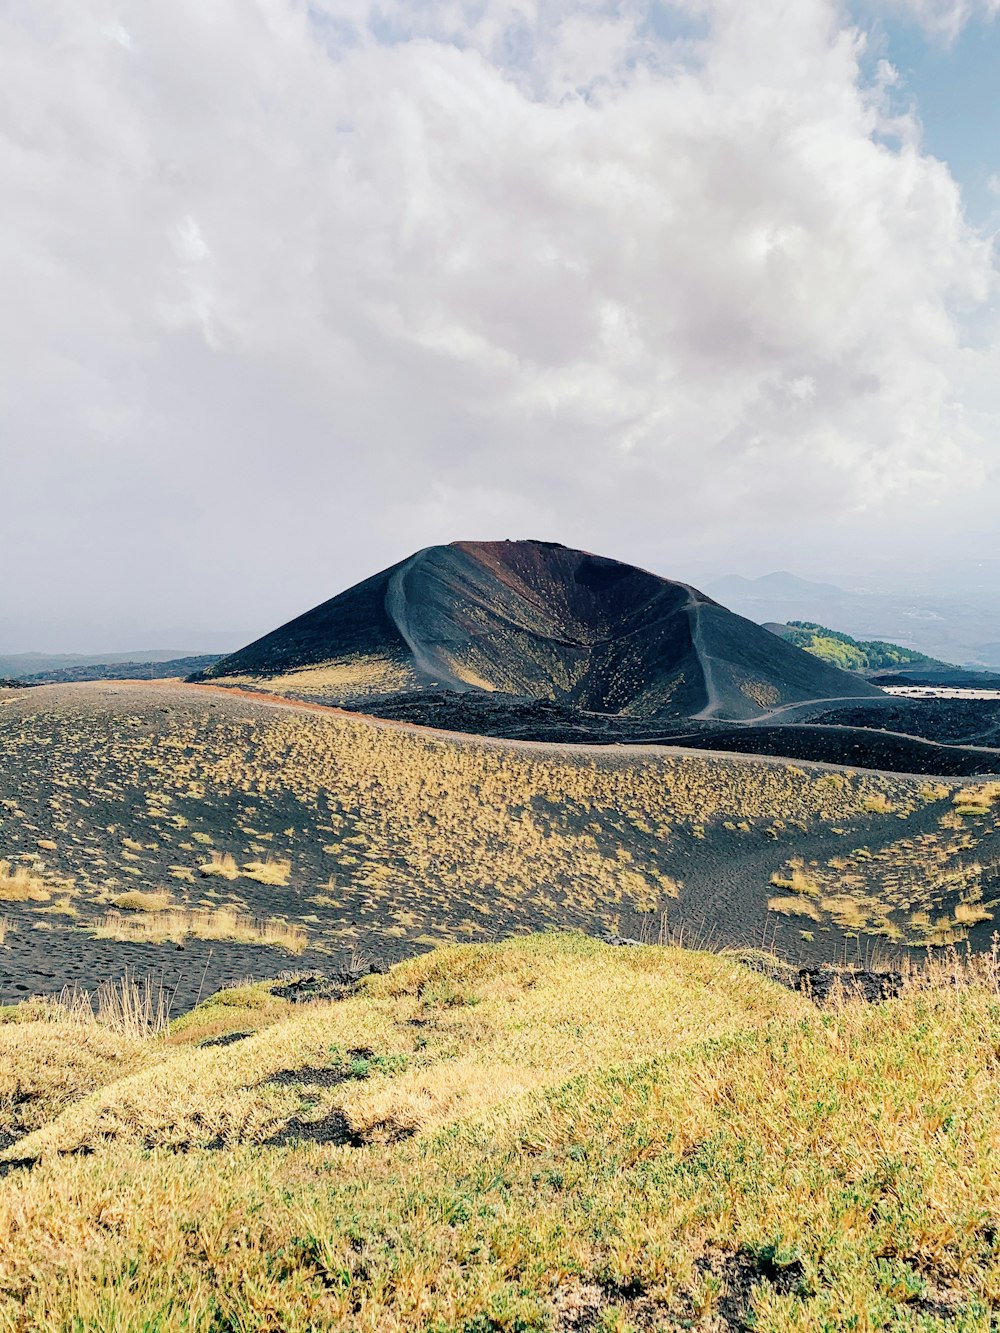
137	900
222	923
389	836
545	1135
22	883
840	650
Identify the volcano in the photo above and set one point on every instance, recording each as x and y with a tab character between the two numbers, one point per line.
537	620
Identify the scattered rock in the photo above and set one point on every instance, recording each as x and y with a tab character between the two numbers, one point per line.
319	986
580	1307
227	1039
335	1128
18	1164
819	983
307	1078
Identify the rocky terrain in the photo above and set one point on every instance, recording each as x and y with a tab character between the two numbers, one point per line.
534	641
142	670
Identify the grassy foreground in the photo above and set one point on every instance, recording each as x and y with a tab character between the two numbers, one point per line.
547	1134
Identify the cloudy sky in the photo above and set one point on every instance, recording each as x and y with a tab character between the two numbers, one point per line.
293	289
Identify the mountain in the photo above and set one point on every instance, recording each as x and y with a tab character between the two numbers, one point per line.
20	666
851	654
956	626
537	620
128	670
771	587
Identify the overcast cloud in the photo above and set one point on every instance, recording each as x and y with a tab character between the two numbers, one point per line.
292	290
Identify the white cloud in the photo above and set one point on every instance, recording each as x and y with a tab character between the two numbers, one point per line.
289	284
945	19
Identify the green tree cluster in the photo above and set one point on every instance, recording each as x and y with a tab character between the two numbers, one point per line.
853	654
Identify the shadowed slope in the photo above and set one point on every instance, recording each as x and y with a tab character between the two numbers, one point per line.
541	621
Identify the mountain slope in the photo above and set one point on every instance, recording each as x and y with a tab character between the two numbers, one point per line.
540	621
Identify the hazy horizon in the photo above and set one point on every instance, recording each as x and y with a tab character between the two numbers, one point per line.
87	639
296	290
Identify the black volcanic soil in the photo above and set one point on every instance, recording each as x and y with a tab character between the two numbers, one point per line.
541	621
948	721
81	766
853	746
864	736
941	678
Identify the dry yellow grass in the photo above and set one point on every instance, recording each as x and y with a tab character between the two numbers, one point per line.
477	1026
269	871
798	881
651	1138
138	900
925	889
976	799
222	923
794	906
22	884
432	837
222	866
967	914
356	677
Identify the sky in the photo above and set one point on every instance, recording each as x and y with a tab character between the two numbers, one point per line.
291	290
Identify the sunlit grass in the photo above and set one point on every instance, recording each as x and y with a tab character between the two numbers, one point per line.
138	900
222	923
655	1138
22	884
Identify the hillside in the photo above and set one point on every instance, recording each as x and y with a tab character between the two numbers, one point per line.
537	621
848	654
175	667
19	666
544	1136
259	835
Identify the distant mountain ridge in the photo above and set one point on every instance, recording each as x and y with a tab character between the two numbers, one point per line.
173	667
959	626
537	620
779	584
21	666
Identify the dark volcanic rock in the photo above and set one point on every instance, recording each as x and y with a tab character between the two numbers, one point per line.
861	745
537	620
227	1039
318	986
853	983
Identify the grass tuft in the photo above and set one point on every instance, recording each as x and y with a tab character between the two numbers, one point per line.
221	865
222	923
22	884
268	871
139	900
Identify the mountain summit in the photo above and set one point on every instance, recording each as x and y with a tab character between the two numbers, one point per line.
538	620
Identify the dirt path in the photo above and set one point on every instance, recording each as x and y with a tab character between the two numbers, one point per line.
564	749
